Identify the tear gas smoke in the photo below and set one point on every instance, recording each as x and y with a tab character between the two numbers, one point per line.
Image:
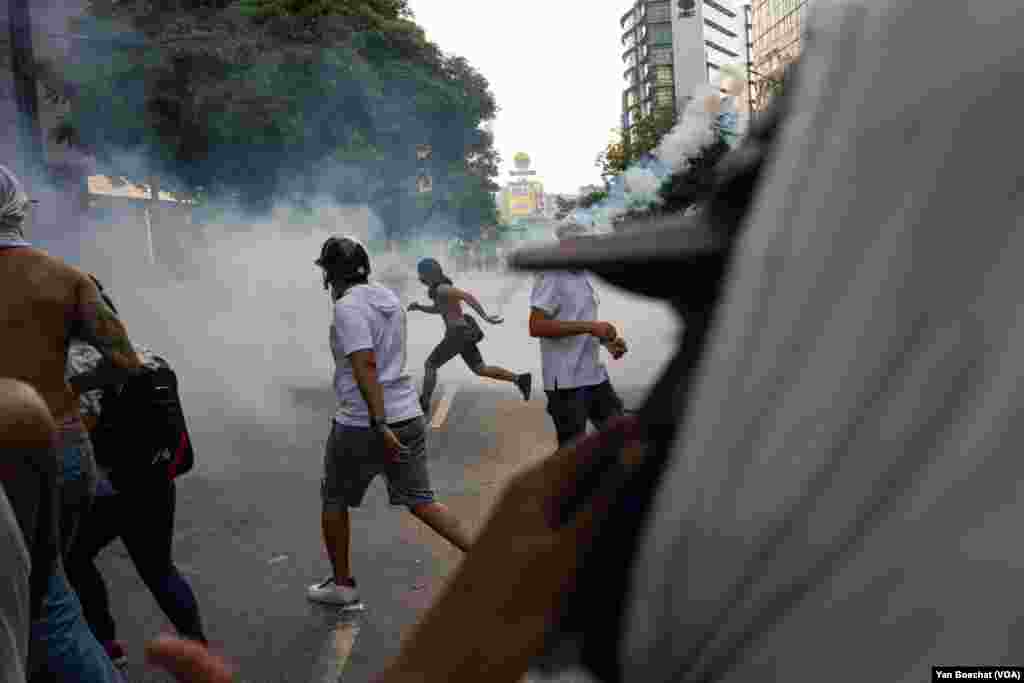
637	188
251	323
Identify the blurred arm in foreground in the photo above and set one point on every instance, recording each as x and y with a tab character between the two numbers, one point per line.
28	475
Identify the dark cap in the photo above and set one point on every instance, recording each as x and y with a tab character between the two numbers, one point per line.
644	257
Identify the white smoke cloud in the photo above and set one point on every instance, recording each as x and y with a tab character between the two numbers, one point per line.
637	188
694	131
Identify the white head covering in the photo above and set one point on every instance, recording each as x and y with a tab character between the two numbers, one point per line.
13	208
848	491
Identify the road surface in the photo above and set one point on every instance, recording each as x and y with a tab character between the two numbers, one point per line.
248	530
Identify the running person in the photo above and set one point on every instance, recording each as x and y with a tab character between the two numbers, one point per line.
462	334
378	428
140	513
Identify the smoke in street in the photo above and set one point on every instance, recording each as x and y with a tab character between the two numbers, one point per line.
249	325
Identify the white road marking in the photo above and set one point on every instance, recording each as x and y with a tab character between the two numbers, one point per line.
443	406
339	647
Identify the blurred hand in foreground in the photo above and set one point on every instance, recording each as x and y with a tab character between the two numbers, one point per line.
188	661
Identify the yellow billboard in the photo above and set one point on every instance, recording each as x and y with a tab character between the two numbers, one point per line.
522	199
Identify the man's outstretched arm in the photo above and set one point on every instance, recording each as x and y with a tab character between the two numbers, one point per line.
433	308
471	301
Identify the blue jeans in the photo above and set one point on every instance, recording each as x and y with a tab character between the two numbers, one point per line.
76	479
67	648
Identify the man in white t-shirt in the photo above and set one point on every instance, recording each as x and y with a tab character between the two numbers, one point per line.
563	314
378	428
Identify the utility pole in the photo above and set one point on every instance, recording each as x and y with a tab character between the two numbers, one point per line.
26	93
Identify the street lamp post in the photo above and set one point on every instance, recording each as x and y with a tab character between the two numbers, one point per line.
424	180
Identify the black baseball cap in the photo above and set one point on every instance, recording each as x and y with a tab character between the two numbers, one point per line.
650	257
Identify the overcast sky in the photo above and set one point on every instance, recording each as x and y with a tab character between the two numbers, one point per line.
555	67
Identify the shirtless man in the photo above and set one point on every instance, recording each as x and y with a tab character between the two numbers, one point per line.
43	303
461	333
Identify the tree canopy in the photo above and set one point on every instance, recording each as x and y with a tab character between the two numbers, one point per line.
264	100
631	147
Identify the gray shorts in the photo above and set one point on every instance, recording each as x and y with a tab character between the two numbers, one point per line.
355	456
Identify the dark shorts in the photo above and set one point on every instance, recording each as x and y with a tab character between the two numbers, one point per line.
457	342
355	456
571	408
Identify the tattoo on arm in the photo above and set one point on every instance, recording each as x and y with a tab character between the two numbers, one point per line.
94	323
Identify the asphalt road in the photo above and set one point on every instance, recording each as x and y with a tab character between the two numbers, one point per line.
248	531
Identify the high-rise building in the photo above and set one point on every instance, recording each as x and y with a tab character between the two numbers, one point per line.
672	46
776	39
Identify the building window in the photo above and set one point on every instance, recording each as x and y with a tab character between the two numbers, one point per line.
663	74
660	34
780	7
661	55
664	97
721	29
715	46
724	10
658	12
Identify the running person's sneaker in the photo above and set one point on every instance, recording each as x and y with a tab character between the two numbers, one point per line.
329	592
525	384
115	650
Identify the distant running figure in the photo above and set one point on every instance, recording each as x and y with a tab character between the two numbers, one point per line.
462	333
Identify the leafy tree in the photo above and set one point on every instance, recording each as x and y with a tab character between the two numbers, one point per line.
565	206
259	100
632	146
591	200
613	159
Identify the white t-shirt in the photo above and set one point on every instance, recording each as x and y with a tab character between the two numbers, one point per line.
371	317
848	493
568	362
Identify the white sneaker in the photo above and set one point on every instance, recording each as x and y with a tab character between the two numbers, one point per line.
330	593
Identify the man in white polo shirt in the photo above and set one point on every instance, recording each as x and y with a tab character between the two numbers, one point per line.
563	315
378	428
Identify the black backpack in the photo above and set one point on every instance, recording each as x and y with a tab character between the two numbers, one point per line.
142	433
